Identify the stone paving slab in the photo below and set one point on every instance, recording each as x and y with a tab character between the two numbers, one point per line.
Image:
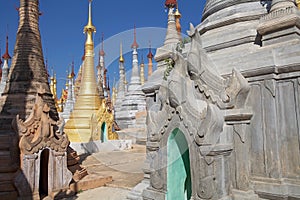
102	193
125	167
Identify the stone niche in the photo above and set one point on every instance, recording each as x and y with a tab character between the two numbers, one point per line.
43	154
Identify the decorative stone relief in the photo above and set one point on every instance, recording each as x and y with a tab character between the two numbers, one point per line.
105	115
39	133
39	130
196	99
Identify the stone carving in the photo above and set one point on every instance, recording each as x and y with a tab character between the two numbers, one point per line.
249	146
43	147
105	115
199	101
39	131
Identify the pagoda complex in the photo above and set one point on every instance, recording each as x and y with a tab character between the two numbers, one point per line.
91	119
223	109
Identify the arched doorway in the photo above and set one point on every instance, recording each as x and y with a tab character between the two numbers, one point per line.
104	132
179	184
43	180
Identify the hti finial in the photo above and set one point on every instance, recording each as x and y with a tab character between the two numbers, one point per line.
102	53
6	55
178	16
170	3
150	55
121	53
72	70
90	27
135	44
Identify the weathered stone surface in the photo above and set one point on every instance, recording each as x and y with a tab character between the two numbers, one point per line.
43	153
242	134
90	182
27	74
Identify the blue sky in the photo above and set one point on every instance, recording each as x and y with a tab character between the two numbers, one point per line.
62	22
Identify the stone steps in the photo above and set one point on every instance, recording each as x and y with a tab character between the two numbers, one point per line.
90	181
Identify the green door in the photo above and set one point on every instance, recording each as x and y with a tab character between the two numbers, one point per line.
104	133
178	169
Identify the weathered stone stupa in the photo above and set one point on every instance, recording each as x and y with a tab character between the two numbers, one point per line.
218	133
100	70
70	101
121	85
134	100
33	149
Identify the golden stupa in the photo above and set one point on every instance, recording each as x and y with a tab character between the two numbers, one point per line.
82	127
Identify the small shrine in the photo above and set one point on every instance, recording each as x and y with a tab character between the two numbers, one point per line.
43	153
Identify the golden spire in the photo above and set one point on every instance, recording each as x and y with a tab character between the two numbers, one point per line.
177	17
298	3
54	86
121	53
88	101
89	29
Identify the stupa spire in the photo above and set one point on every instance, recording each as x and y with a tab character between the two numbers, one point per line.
134	100
72	70
120	92
150	61
135	80
102	53
100	69
121	54
88	101
6	55
89	29
142	70
134	44
122	85
170	3
172	36
177	18
5	69
28	66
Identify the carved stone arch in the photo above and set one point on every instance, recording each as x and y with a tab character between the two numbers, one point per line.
159	177
179	184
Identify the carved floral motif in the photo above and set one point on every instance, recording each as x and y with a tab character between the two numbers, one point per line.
39	130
